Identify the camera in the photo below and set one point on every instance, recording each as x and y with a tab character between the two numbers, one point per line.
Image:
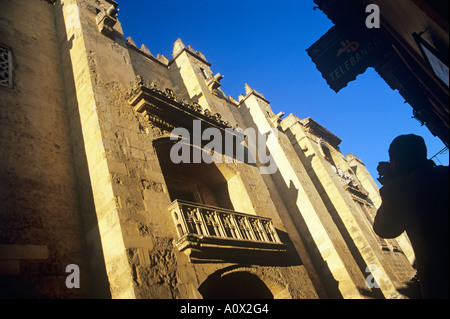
384	172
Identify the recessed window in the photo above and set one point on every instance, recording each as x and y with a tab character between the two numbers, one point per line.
205	73
5	66
326	153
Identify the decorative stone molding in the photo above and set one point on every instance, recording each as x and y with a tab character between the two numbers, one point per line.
163	109
318	130
349	183
6	66
207	232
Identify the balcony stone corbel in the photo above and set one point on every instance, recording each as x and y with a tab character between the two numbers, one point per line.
107	19
214	83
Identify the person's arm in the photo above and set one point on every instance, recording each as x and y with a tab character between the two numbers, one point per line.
388	222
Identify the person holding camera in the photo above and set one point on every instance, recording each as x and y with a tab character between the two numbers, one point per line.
415	199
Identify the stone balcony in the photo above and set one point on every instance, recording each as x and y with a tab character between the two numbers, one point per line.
217	234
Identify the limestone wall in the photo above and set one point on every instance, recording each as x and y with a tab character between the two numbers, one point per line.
40	228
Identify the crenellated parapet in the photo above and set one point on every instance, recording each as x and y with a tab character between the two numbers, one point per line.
179	47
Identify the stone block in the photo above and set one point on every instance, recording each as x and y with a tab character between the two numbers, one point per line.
9	267
117	167
24	252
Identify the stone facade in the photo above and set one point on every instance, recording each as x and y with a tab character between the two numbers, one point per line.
87	178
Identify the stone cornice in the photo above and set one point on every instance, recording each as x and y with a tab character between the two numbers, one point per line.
318	130
167	111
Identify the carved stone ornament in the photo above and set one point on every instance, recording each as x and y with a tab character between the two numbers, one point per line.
107	17
164	110
214	83
318	130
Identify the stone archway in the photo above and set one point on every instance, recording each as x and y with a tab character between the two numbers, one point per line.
235	285
241	283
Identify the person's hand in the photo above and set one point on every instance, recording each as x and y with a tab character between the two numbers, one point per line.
384	172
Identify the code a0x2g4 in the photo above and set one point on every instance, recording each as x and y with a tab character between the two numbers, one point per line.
245	308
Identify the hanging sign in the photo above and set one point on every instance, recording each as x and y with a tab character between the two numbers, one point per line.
342	55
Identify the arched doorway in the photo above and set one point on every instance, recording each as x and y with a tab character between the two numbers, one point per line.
235	285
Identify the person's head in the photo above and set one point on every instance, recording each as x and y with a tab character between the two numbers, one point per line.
407	149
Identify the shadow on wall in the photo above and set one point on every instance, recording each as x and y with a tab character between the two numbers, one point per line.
353	249
290	196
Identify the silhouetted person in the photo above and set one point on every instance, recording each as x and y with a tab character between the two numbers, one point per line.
415	199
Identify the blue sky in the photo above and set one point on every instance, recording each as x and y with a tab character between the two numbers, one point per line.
263	43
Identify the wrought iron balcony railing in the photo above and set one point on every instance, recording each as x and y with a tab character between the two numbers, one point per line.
206	230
